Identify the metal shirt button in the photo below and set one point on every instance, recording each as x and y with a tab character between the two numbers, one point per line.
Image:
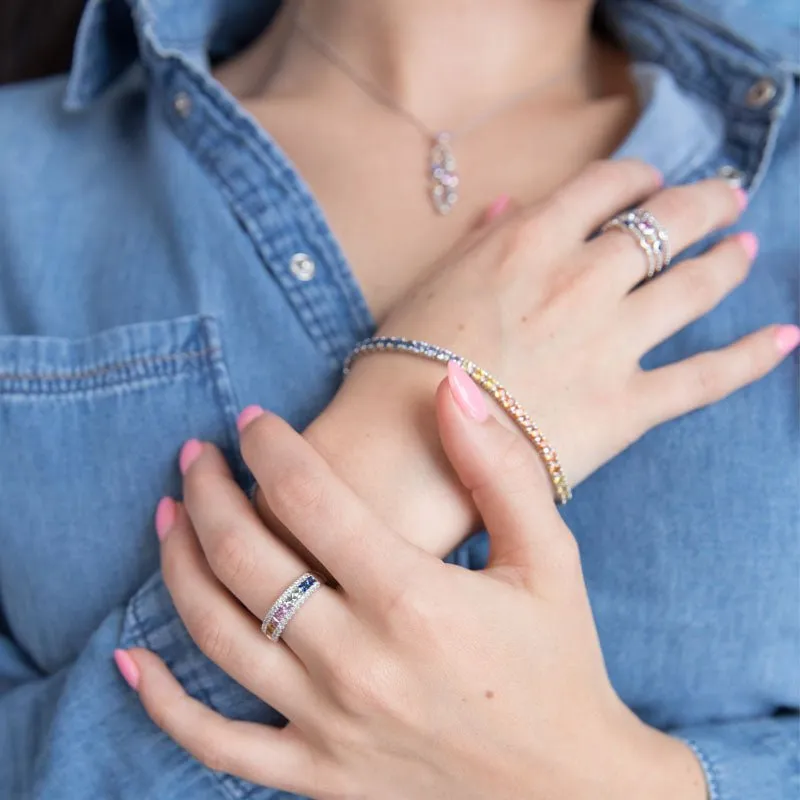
761	93
302	267
182	104
734	176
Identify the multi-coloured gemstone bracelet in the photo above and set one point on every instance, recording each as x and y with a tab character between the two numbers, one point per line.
487	382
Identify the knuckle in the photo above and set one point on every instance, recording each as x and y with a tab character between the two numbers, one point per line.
209	752
296	488
230	556
207	632
709	377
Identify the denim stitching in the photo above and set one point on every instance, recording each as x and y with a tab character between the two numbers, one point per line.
117	366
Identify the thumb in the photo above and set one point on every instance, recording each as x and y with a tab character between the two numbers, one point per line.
505	477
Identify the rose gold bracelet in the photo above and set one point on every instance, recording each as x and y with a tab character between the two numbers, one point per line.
489	384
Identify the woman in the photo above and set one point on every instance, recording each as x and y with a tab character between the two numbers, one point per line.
137	311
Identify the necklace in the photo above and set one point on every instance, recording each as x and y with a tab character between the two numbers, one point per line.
444	179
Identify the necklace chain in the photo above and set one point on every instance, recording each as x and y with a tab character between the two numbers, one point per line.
444	179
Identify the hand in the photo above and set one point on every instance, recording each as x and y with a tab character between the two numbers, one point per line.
554	317
415	679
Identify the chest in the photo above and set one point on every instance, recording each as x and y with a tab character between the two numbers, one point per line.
373	178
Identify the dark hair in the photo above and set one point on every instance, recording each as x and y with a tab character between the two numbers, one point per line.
36	37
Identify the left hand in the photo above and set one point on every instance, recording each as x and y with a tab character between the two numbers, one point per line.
415	678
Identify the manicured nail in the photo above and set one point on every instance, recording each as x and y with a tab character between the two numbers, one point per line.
190	452
498	206
466	394
749	242
247	416
787	338
128	669
741	196
166	511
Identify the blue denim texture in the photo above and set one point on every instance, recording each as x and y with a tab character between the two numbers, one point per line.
146	296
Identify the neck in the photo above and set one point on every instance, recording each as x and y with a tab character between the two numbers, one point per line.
445	60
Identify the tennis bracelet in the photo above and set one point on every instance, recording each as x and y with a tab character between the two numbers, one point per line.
396	344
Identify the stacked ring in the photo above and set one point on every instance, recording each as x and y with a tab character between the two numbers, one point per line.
288	604
649	233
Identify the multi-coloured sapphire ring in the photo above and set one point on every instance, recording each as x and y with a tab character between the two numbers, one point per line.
651	236
288	604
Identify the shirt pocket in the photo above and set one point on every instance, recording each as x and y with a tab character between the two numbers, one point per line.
89	435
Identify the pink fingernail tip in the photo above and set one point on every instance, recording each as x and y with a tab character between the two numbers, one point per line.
749	242
128	669
247	416
190	452
788	338
466	393
165	517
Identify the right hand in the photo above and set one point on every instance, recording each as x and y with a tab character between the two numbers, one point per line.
554	318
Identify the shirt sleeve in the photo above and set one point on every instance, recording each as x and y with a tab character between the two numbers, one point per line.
82	732
757	759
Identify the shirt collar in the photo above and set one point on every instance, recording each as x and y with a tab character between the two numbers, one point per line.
114	33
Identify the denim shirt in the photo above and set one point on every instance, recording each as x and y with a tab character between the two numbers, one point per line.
162	264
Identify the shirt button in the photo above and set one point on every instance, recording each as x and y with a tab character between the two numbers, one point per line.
734	176
182	104
302	267
761	93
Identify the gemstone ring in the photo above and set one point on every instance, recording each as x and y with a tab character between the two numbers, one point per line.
651	236
288	604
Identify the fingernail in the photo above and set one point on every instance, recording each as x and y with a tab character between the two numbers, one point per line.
247	416
190	452
498	206
741	196
749	242
466	394
166	511
787	338
128	669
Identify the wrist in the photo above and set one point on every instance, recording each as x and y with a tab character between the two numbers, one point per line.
380	435
656	766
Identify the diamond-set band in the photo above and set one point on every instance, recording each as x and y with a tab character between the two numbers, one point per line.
649	233
488	383
288	604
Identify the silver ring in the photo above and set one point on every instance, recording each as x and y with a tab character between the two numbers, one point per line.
288	604
650	234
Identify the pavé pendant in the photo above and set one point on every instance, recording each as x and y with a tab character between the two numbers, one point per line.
444	178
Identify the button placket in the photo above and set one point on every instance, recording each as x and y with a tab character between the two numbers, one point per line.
761	93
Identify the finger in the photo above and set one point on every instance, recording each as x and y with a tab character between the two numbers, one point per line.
248	559
688	213
366	557
507	481
710	377
221	628
663	306
258	753
583	204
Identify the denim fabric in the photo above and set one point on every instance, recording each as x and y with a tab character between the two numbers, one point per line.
146	295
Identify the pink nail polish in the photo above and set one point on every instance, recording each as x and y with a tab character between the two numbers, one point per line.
787	338
128	669
166	511
190	452
466	394
749	242
247	416
498	206
742	197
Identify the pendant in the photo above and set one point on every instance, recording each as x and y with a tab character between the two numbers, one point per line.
444	178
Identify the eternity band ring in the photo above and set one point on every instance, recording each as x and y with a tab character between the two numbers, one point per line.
649	233
288	604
